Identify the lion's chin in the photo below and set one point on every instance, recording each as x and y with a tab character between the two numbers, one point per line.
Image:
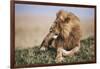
55	36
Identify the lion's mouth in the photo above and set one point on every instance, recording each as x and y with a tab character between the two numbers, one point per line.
55	36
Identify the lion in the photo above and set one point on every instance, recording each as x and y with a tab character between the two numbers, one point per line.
64	35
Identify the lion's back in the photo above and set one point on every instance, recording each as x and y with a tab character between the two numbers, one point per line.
74	36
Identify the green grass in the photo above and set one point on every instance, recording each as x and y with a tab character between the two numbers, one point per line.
35	56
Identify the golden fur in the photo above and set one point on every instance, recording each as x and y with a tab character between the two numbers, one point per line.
67	27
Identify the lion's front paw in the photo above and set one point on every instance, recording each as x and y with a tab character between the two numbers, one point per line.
59	59
43	49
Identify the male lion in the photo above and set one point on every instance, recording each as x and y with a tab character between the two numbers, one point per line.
64	35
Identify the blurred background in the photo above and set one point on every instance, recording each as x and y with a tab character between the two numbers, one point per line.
32	22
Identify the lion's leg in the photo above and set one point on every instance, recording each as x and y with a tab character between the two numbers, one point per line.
76	49
59	57
48	40
44	44
71	52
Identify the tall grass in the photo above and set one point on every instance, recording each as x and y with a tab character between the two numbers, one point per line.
35	56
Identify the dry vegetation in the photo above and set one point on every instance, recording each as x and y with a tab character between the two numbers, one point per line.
35	56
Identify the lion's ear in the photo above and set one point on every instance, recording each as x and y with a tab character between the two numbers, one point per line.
60	12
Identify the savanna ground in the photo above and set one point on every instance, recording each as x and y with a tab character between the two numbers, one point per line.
35	56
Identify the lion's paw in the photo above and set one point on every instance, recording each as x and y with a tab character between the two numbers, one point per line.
59	59
43	49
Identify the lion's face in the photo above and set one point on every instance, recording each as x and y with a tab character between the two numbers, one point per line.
58	25
64	23
54	30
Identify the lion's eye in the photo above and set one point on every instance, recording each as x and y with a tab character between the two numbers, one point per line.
50	30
